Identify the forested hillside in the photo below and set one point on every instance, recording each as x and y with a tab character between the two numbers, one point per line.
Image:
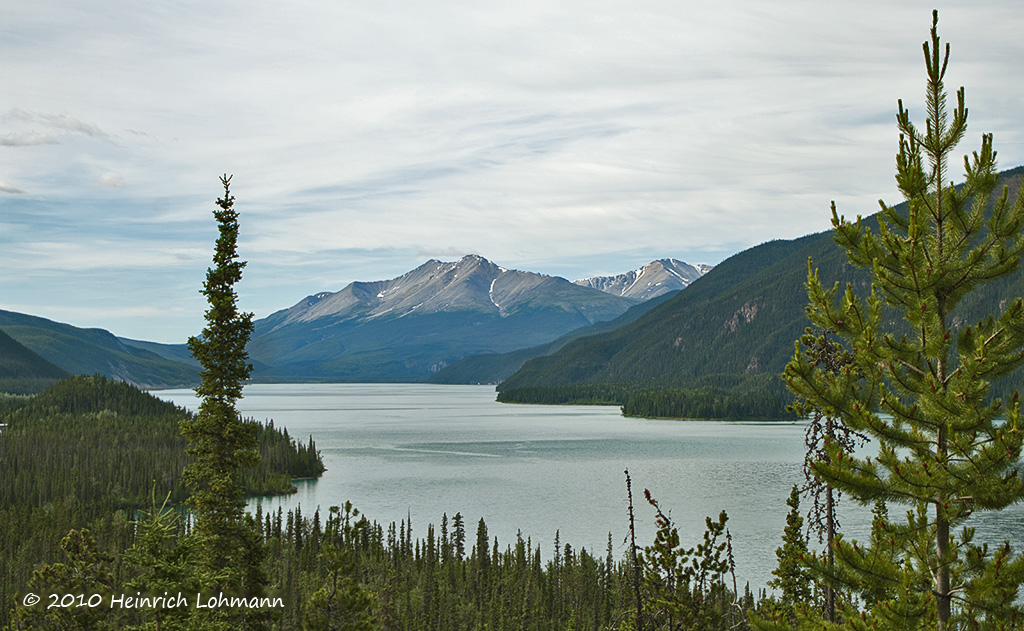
91	449
86	463
496	367
95	351
741	318
24	372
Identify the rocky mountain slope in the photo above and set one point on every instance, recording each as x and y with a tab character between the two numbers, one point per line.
409	327
652	280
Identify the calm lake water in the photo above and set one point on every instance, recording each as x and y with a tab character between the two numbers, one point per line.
400	450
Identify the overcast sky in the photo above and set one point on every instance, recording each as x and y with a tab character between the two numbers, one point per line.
568	138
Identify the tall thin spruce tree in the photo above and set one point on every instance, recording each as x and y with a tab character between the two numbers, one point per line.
218	440
920	388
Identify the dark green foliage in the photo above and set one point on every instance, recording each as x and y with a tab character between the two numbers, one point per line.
791	577
706	397
686	588
105	443
921	390
161	556
824	434
585	394
87	452
328	568
221	444
738	397
86	569
342	604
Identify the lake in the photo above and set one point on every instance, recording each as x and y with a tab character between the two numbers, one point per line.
400	450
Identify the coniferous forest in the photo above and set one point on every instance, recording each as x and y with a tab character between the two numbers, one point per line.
727	396
120	511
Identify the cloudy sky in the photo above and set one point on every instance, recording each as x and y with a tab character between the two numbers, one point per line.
568	138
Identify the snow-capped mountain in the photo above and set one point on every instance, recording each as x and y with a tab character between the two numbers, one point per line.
653	279
406	327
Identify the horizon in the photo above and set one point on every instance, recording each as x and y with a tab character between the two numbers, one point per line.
571	140
299	300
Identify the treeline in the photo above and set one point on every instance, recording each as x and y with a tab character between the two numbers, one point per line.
90	451
578	394
90	477
106	443
339	570
754	397
759	397
742	318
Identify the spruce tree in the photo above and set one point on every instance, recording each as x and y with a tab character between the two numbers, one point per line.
219	441
918	384
791	577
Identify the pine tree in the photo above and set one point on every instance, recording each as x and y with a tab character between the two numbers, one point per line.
88	571
919	388
791	577
162	560
341	604
220	442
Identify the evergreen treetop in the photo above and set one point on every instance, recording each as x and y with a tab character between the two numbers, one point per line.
919	387
219	440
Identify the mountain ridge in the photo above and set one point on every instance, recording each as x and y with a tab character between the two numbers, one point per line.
742	318
649	281
414	325
95	351
405	328
23	371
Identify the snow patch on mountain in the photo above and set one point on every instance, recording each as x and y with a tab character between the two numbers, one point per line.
651	280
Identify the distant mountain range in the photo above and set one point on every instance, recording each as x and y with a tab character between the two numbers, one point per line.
654	279
471	321
410	327
742	318
95	351
403	329
496	367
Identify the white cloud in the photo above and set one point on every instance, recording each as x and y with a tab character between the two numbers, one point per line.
61	122
26	139
13	190
533	131
112	180
444	253
104	255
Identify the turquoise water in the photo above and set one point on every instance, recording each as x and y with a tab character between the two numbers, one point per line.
400	450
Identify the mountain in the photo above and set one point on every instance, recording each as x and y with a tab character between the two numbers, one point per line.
496	367
25	372
654	279
174	352
410	327
741	318
95	351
